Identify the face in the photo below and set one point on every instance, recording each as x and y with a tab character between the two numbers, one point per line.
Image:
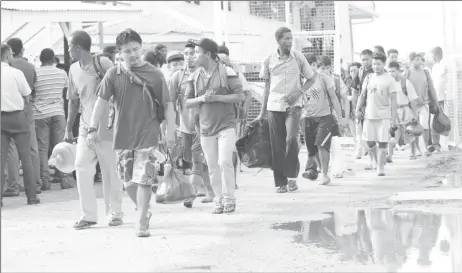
200	57
189	57
9	56
286	41
377	66
393	57
354	70
174	66
394	72
74	50
131	53
417	62
314	65
164	51
325	69
367	61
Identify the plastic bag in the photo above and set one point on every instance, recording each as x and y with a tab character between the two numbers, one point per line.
441	123
175	186
254	147
63	157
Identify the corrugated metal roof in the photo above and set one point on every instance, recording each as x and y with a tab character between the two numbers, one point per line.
60	6
157	22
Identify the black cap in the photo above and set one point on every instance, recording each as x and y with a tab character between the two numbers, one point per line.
206	44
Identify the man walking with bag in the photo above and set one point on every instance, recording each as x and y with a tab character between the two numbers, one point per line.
142	102
282	98
83	83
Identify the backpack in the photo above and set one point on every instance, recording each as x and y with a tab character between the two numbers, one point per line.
100	71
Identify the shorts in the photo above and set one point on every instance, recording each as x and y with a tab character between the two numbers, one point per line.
376	130
186	142
424	115
318	133
198	158
136	166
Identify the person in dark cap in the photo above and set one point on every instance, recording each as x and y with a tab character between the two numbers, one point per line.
214	89
31	76
175	62
154	57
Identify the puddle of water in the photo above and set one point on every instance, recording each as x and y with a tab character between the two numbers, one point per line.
398	240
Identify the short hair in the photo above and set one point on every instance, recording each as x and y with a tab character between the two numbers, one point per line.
379	48
437	51
324	60
379	56
394	65
310	57
56	60
392	50
366	52
190	45
15	45
358	65
47	55
160	47
127	36
110	49
154	57
223	49
280	32
83	39
414	55
5	49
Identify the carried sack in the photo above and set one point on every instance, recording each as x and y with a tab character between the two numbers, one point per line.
155	104
441	123
254	147
175	186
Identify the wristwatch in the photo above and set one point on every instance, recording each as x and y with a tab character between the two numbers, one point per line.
91	130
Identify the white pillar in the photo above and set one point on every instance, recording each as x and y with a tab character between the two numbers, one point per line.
225	22
218	26
343	41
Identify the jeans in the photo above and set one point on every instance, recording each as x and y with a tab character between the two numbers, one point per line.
218	151
85	167
15	126
283	127
50	131
12	166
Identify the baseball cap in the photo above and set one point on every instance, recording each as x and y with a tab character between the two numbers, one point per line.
206	44
174	55
413	55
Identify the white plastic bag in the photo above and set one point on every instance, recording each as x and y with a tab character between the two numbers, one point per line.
342	154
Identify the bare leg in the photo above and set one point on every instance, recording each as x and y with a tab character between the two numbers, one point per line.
381	157
372	155
144	198
324	157
132	192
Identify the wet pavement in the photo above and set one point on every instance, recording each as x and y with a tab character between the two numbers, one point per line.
398	240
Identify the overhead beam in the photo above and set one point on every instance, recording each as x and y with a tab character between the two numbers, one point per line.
15	32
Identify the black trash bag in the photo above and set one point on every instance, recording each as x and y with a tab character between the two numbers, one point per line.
441	123
254	146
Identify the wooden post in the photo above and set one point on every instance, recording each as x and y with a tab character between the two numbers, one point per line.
101	36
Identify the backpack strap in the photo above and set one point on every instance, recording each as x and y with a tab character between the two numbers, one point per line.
404	87
98	67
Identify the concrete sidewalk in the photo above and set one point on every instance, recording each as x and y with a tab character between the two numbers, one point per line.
41	238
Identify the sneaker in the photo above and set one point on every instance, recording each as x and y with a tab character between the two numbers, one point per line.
389	160
33	202
46	186
292	184
67	183
115	222
82	224
229	208
219	209
11	193
325	180
201	192
207	199
188	203
282	189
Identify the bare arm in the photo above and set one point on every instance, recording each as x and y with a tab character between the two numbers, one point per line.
190	101
394	108
335	102
73	110
169	113
98	111
231	98
266	92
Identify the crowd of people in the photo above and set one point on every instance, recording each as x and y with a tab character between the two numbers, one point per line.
127	102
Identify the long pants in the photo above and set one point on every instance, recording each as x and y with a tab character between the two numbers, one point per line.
50	131
85	166
13	159
12	166
218	151
15	126
283	128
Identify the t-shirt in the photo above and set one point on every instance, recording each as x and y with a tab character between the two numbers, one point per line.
179	81
83	84
379	90
136	125
439	71
401	98
215	116
318	105
49	87
28	69
419	81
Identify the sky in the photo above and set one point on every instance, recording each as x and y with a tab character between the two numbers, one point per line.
404	25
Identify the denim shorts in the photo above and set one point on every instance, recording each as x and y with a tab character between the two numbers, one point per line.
136	166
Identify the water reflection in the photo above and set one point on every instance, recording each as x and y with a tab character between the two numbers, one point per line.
400	241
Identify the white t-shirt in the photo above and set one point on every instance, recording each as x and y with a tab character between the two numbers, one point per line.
439	71
379	90
401	98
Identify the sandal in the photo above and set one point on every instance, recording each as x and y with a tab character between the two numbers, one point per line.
218	210
229	208
82	224
412	157
116	222
282	189
292	184
145	231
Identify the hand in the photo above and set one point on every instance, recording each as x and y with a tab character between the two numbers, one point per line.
170	143
359	115
208	97
92	139
69	137
292	97
393	123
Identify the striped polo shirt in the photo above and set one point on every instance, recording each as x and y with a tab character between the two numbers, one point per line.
49	87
